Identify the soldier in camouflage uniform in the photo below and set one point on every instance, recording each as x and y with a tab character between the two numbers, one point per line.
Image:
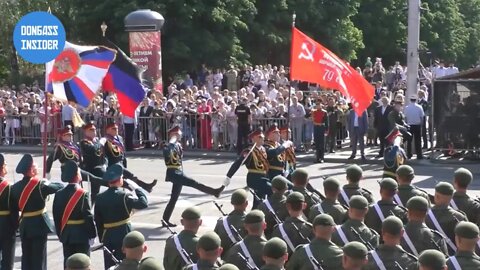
466	239
406	190
330	205
300	181
275	203
354	175
461	201
208	250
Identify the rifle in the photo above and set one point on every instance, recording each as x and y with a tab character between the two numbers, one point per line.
397	265
318	264
275	217
103	247
219	207
300	233
315	191
247	263
185	253
366	243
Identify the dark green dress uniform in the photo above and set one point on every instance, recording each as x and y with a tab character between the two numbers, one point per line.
275	248
207	242
423	238
254	245
310	198
132	240
35	224
78	261
406	192
337	211
172	259
462	202
365	232
387	208
277	202
276	158
354	189
432	259
229	237
447	218
463	260
294	236
202	265
113	209
8	223
389	256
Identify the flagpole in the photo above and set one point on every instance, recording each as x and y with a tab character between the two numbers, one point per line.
294	16
45	123
103	27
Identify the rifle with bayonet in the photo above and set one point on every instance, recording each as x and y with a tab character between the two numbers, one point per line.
219	207
366	243
184	252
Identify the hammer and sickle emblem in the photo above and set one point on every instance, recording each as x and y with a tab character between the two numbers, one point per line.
63	65
306	53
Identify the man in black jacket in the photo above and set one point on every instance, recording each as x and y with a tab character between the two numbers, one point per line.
381	122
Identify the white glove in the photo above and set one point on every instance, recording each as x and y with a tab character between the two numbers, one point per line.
91	241
132	184
287	144
173	139
103	141
48	176
226	182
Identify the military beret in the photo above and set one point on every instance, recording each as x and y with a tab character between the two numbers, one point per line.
113	173
358	202
275	248
300	174
191	213
239	196
279	182
25	164
463	176
331	183
389	183
228	266
2	160
444	188
78	261
133	239
209	241
69	170
418	203
466	229
354	172
150	263
254	216
295	196
324	220
433	259
355	250
405	171
392	225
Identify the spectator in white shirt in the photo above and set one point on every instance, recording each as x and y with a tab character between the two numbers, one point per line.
414	115
297	116
272	92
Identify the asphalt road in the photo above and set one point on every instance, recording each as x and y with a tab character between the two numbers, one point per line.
212	172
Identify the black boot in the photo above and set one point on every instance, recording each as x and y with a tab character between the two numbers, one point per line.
211	191
147	187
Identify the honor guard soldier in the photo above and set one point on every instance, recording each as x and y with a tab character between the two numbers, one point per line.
390	255
432	260
300	181
290	157
406	190
113	209
275	254
354	175
115	153
173	155
274	205
417	236
94	160
394	155
354	256
320	126
180	248
209	251
150	263
255	159
330	204
65	149
275	152
396	118
228	226
320	251
78	261
72	214
354	229
29	196
133	247
385	207
461	201
466	236
294	230
442	217
8	220
251	244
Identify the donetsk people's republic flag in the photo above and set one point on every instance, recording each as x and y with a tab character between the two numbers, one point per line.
311	62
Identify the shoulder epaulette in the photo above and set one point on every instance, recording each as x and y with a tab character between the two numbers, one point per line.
439	234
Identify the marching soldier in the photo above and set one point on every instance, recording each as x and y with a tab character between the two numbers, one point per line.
180	248
432	260
417	236
8	220
294	230
150	263
255	159
173	154
385	207
354	229
394	155
113	209
275	152
65	149
461	201
354	175
275	204
133	247
442	217
320	125
290	157
115	153
406	190
249	246
29	196
78	261
466	239
354	256
390	255
300	181
330	204
275	254
72	214
209	250
320	251
228	226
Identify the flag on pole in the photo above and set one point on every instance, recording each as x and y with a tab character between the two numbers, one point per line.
311	62
76	74
124	78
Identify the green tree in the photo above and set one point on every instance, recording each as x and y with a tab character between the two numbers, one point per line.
470	10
